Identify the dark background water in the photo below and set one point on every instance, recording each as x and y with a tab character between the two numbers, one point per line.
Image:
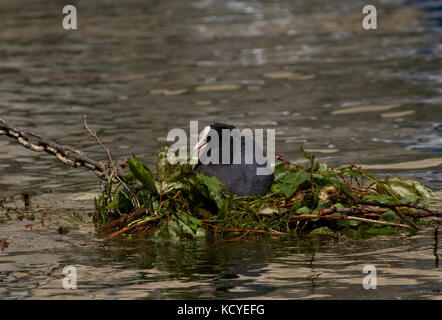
141	68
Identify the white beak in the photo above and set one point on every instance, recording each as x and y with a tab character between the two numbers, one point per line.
203	140
201	144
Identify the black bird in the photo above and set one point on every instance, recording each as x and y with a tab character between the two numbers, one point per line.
239	176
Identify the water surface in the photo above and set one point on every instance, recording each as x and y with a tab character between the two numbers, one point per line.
140	68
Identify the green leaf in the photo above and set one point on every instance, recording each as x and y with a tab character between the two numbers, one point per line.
180	225
389	216
174	176
143	174
162	163
323	230
279	171
168	171
322	179
212	188
321	205
191	226
192	222
128	177
162	233
121	202
324	168
275	188
379	197
306	155
295	177
410	191
290	184
381	230
303	210
345	222
352	172
339	205
169	230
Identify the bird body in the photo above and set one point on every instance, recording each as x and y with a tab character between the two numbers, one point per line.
238	171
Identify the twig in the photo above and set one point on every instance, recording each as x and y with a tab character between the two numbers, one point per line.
3	244
405	218
211	225
397	205
30	226
308	217
436	242
123	220
312	161
94	135
363	210
275	233
280	157
111	160
136	225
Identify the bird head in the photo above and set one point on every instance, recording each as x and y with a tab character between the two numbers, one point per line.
214	131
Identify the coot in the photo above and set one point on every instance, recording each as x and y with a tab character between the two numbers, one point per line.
238	171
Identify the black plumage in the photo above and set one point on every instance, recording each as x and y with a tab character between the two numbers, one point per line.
242	178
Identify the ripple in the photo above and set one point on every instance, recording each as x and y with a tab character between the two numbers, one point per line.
397	114
407	165
362	109
217	87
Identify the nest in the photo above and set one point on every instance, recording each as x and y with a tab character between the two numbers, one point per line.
176	203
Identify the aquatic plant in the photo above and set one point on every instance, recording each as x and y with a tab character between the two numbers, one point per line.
176	203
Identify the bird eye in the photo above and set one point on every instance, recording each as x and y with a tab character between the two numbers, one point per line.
209	138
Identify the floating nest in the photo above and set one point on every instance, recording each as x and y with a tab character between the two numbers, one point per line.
177	203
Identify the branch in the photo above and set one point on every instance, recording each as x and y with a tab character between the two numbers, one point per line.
136	225
397	205
94	135
111	161
123	220
308	217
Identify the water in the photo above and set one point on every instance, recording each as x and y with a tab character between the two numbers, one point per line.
140	68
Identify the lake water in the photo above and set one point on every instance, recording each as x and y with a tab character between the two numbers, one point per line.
141	68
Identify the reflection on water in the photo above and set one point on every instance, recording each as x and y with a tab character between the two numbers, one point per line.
140	68
271	269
